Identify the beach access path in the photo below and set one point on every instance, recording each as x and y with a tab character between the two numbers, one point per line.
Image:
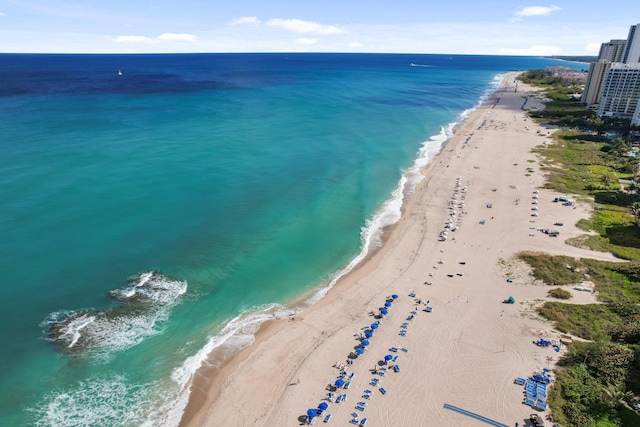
469	349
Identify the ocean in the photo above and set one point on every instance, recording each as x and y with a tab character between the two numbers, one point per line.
158	208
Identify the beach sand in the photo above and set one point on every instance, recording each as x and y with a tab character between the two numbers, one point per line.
469	349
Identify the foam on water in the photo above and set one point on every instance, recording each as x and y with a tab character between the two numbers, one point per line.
146	304
107	401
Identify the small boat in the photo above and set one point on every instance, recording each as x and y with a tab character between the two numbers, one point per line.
119	72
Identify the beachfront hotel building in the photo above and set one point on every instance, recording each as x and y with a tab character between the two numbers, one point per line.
620	91
613	83
631	52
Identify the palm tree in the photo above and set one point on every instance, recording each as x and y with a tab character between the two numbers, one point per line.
617	397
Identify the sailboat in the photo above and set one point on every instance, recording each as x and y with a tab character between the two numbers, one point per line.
119	72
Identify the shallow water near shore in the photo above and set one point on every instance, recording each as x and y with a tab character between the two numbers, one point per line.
222	185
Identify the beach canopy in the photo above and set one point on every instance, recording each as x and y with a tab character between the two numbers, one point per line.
339	382
384	311
387	304
368	334
388	357
312	413
511	300
323	406
359	350
394	296
364	342
374	326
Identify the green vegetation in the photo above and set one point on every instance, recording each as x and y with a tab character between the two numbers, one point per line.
560	293
597	378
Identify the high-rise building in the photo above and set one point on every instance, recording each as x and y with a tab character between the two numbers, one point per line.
620	91
593	85
612	51
631	53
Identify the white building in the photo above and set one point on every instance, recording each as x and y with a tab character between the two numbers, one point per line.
631	53
620	91
612	51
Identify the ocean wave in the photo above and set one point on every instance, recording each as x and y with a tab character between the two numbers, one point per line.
107	401
236	334
141	307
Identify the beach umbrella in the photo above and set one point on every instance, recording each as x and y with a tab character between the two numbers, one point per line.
339	382
388	357
364	342
387	304
368	334
394	296
359	350
384	311
312	413
374	326
323	406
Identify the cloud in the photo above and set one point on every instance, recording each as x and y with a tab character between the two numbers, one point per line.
538	50
304	27
306	41
245	20
134	39
180	37
593	48
537	11
1	13
165	37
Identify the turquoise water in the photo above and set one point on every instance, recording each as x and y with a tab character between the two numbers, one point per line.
224	186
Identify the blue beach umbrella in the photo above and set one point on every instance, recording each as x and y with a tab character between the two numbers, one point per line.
323	406
374	326
364	342
394	296
368	334
339	382
312	413
384	311
359	350
388	357
387	304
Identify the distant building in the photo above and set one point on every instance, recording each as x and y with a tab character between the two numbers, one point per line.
631	52
620	91
568	74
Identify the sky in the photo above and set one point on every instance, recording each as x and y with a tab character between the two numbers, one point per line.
495	27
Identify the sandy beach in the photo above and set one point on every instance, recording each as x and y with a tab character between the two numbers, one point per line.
467	351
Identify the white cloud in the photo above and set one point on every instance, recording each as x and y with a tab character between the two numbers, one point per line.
539	50
180	37
245	20
306	41
1	13
299	26
354	45
593	48
537	11
165	37
134	39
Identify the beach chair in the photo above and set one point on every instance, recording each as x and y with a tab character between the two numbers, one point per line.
354	421
360	408
327	418
394	358
542	405
367	391
520	381
366	396
347	385
353	374
396	368
339	399
394	349
530	402
403	333
404	349
410	317
374	382
412	294
363	422
382	390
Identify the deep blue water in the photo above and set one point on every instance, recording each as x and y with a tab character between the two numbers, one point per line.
241	180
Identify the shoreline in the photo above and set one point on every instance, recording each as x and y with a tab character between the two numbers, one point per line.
297	354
